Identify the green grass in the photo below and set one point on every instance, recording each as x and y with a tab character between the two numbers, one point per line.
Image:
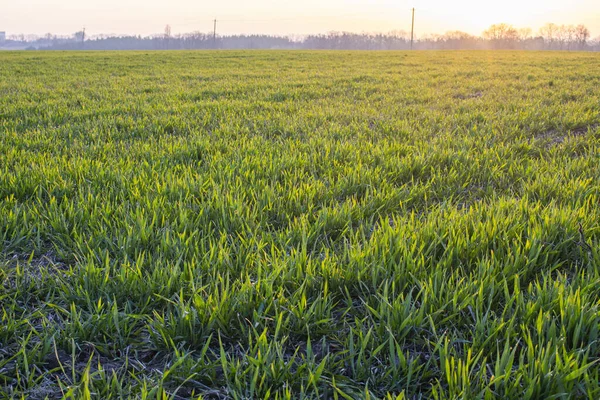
300	225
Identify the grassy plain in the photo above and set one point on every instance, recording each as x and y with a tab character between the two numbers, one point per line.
300	225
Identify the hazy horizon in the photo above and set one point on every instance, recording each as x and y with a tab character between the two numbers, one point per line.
64	17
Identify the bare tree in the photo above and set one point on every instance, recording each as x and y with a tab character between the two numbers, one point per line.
524	34
430	41
502	35
562	36
458	40
17	38
582	34
550	33
400	34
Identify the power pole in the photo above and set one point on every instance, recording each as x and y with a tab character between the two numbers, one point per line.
215	35
82	37
412	30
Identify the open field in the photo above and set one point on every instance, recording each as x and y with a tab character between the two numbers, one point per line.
300	225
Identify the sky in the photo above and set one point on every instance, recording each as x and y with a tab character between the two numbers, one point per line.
286	17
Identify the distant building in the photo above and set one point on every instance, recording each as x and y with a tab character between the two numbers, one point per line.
2	36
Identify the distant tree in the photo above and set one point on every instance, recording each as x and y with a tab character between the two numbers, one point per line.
571	34
582	34
430	41
502	35
400	34
458	40
79	36
17	38
562	36
536	43
457	35
594	44
550	34
502	32
524	34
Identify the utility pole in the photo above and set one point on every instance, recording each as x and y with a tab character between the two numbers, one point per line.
82	37
412	30
215	35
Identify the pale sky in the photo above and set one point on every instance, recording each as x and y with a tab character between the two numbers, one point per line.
287	17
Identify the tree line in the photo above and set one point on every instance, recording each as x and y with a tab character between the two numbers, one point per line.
498	36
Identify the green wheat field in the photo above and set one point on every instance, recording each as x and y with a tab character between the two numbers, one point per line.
300	225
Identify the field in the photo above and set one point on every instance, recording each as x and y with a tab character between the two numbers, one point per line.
336	225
